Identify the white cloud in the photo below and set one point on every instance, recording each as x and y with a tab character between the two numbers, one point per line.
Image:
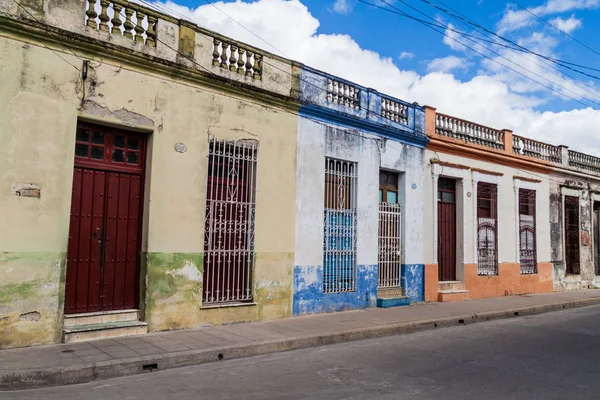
566	25
453	39
406	55
517	18
494	97
447	64
343	6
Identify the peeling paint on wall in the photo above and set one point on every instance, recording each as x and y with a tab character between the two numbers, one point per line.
189	271
559	188
310	299
173	290
413	282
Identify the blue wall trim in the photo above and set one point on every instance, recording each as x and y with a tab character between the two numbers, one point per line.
367	116
327	115
310	299
413	281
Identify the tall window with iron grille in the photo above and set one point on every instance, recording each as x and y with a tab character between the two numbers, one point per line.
229	226
527	231
390	228
572	255
339	258
487	228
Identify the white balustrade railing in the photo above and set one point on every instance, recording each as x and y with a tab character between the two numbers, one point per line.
532	148
343	94
394	111
243	60
121	17
584	161
469	132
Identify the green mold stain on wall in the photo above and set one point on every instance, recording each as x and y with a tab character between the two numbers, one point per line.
30	298
173	290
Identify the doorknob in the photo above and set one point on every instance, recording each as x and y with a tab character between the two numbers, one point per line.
96	232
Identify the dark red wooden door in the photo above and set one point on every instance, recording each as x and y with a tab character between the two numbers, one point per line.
446	229
104	245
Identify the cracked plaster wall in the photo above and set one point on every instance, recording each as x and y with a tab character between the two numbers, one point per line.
44	98
588	193
317	141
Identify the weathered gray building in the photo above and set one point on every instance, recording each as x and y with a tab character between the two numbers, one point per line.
574	220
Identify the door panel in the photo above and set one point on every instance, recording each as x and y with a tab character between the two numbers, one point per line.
111	239
103	250
85	251
447	241
96	245
120	270
131	267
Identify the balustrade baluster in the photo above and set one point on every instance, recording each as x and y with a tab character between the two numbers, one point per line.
139	29
335	92
232	59
257	66
103	17
241	62
225	46
249	55
92	14
151	31
128	25
216	55
329	90
349	94
116	19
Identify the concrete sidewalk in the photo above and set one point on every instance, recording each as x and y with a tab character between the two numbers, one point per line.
83	362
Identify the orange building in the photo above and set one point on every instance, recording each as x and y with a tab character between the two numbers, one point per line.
487	212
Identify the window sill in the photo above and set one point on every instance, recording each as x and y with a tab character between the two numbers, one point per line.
227	305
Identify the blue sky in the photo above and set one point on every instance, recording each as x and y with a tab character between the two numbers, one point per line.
403	58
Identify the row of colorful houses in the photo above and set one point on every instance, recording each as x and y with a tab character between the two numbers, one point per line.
155	175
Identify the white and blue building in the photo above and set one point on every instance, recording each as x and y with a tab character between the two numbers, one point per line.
359	201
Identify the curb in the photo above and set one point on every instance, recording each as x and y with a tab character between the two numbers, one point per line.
31	379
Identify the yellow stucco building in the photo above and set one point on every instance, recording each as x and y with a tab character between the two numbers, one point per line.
147	174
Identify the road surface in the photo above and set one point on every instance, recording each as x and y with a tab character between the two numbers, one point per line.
548	356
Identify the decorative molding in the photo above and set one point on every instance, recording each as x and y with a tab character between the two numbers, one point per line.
448	164
446	145
522	178
487	172
567	191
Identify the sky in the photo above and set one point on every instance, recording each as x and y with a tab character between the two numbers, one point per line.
448	56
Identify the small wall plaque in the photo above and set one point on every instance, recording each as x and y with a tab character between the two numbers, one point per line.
180	147
26	190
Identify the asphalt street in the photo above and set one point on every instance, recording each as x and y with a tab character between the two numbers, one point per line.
548	356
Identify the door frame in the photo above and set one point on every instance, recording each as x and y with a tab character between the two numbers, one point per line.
440	206
461	175
145	137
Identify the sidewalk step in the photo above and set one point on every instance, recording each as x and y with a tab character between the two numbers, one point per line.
95	318
451	285
453	295
390	292
387	302
80	333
